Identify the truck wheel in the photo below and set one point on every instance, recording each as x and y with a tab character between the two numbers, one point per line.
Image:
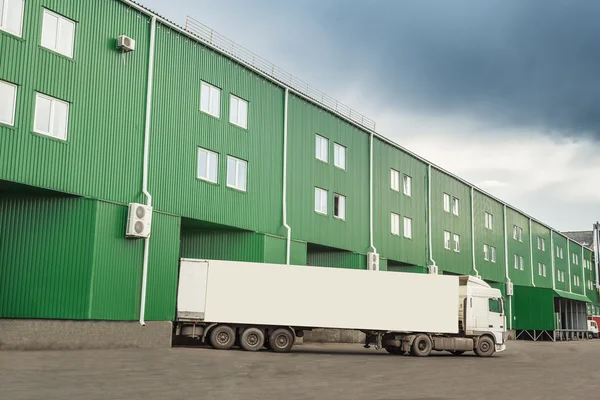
457	353
252	339
222	337
421	346
281	340
397	351
485	347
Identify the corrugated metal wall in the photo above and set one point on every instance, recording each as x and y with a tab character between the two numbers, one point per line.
222	245
520	248
542	256
494	271
335	259
561	264
533	308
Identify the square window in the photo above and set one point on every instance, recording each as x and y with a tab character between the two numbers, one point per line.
395	180
208	164
236	173
447	240
446	202
210	99
321	201
407	184
322	148
407	228
51	116
486	252
489	223
456	243
238	112
11	16
395	220
8	102
455	206
493	253
58	33
339	156
339	206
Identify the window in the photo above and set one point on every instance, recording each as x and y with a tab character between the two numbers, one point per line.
321	148
515	234
339	206
395	180
455	206
489	223
339	156
236	173
544	269
575	259
516	263
8	102
543	244
446	202
407	185
208	164
407	228
395	224
321	201
495	306
540	269
486	252
521	263
58	33
210	99
520	235
447	240
51	116
238	112
493	254
11	16
456	243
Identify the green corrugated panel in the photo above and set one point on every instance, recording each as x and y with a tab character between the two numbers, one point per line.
542	256
495	271
383	263
577	286
561	264
533	308
408	268
222	245
275	251
337	259
520	248
571	296
46	252
106	93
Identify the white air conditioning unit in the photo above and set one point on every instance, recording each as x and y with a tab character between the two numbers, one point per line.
433	269
509	288
125	44
373	261
139	220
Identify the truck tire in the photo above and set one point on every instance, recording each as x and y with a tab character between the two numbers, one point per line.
421	346
485	347
281	340
252	339
397	351
222	337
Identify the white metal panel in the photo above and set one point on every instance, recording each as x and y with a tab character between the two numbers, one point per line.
271	294
191	295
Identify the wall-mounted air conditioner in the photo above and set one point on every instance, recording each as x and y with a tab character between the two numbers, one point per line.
509	288
139	220
125	44
433	269
373	261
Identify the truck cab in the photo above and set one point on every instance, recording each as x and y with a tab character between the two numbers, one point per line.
592	328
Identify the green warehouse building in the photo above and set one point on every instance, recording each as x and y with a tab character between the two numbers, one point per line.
104	105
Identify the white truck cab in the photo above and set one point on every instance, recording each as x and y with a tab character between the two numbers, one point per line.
593	329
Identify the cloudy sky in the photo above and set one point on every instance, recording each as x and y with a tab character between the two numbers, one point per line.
505	94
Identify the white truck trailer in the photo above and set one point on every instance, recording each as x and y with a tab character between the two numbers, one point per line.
255	305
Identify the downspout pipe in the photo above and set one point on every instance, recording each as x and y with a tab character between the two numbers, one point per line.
569	264
596	248
531	253
146	164
506	266
583	272
473	233
553	262
371	244
285	135
429	214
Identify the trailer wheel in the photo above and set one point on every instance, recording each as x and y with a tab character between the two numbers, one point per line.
252	339
222	337
281	340
421	346
485	347
397	351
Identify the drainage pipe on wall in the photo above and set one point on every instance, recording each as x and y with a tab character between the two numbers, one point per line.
473	233
285	134
531	254
553	263
429	213
596	248
506	265
371	244
146	164
569	265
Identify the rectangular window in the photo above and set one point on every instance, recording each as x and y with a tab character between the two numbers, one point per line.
447	240
544	269
486	252
58	33
557	251
407	228
520	235
493	253
489	223
321	201
11	16
521	263
208	164
322	148
539	243
395	180
51	116
210	99
238	112
407	185
456	243
8	102
339	206
515	232
395	229
516	262
236	173
455	206
495	305
543	244
446	202
540	269
339	156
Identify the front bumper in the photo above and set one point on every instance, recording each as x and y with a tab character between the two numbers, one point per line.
500	347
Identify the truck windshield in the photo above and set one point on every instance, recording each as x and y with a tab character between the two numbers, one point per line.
496	305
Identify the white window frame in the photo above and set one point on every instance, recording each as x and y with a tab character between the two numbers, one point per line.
455	206
212	91
493	254
489	220
539	243
395	224
208	165
515	232
236	184
521	263
407	227
321	144
540	269
543	244
447	240
407	185
61	20
238	120
447	202
520	234
456	243
516	261
53	102
14	103
341	206
4	17
339	162
486	252
322	195
395	180
544	269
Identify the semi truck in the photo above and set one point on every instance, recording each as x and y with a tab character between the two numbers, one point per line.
258	305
